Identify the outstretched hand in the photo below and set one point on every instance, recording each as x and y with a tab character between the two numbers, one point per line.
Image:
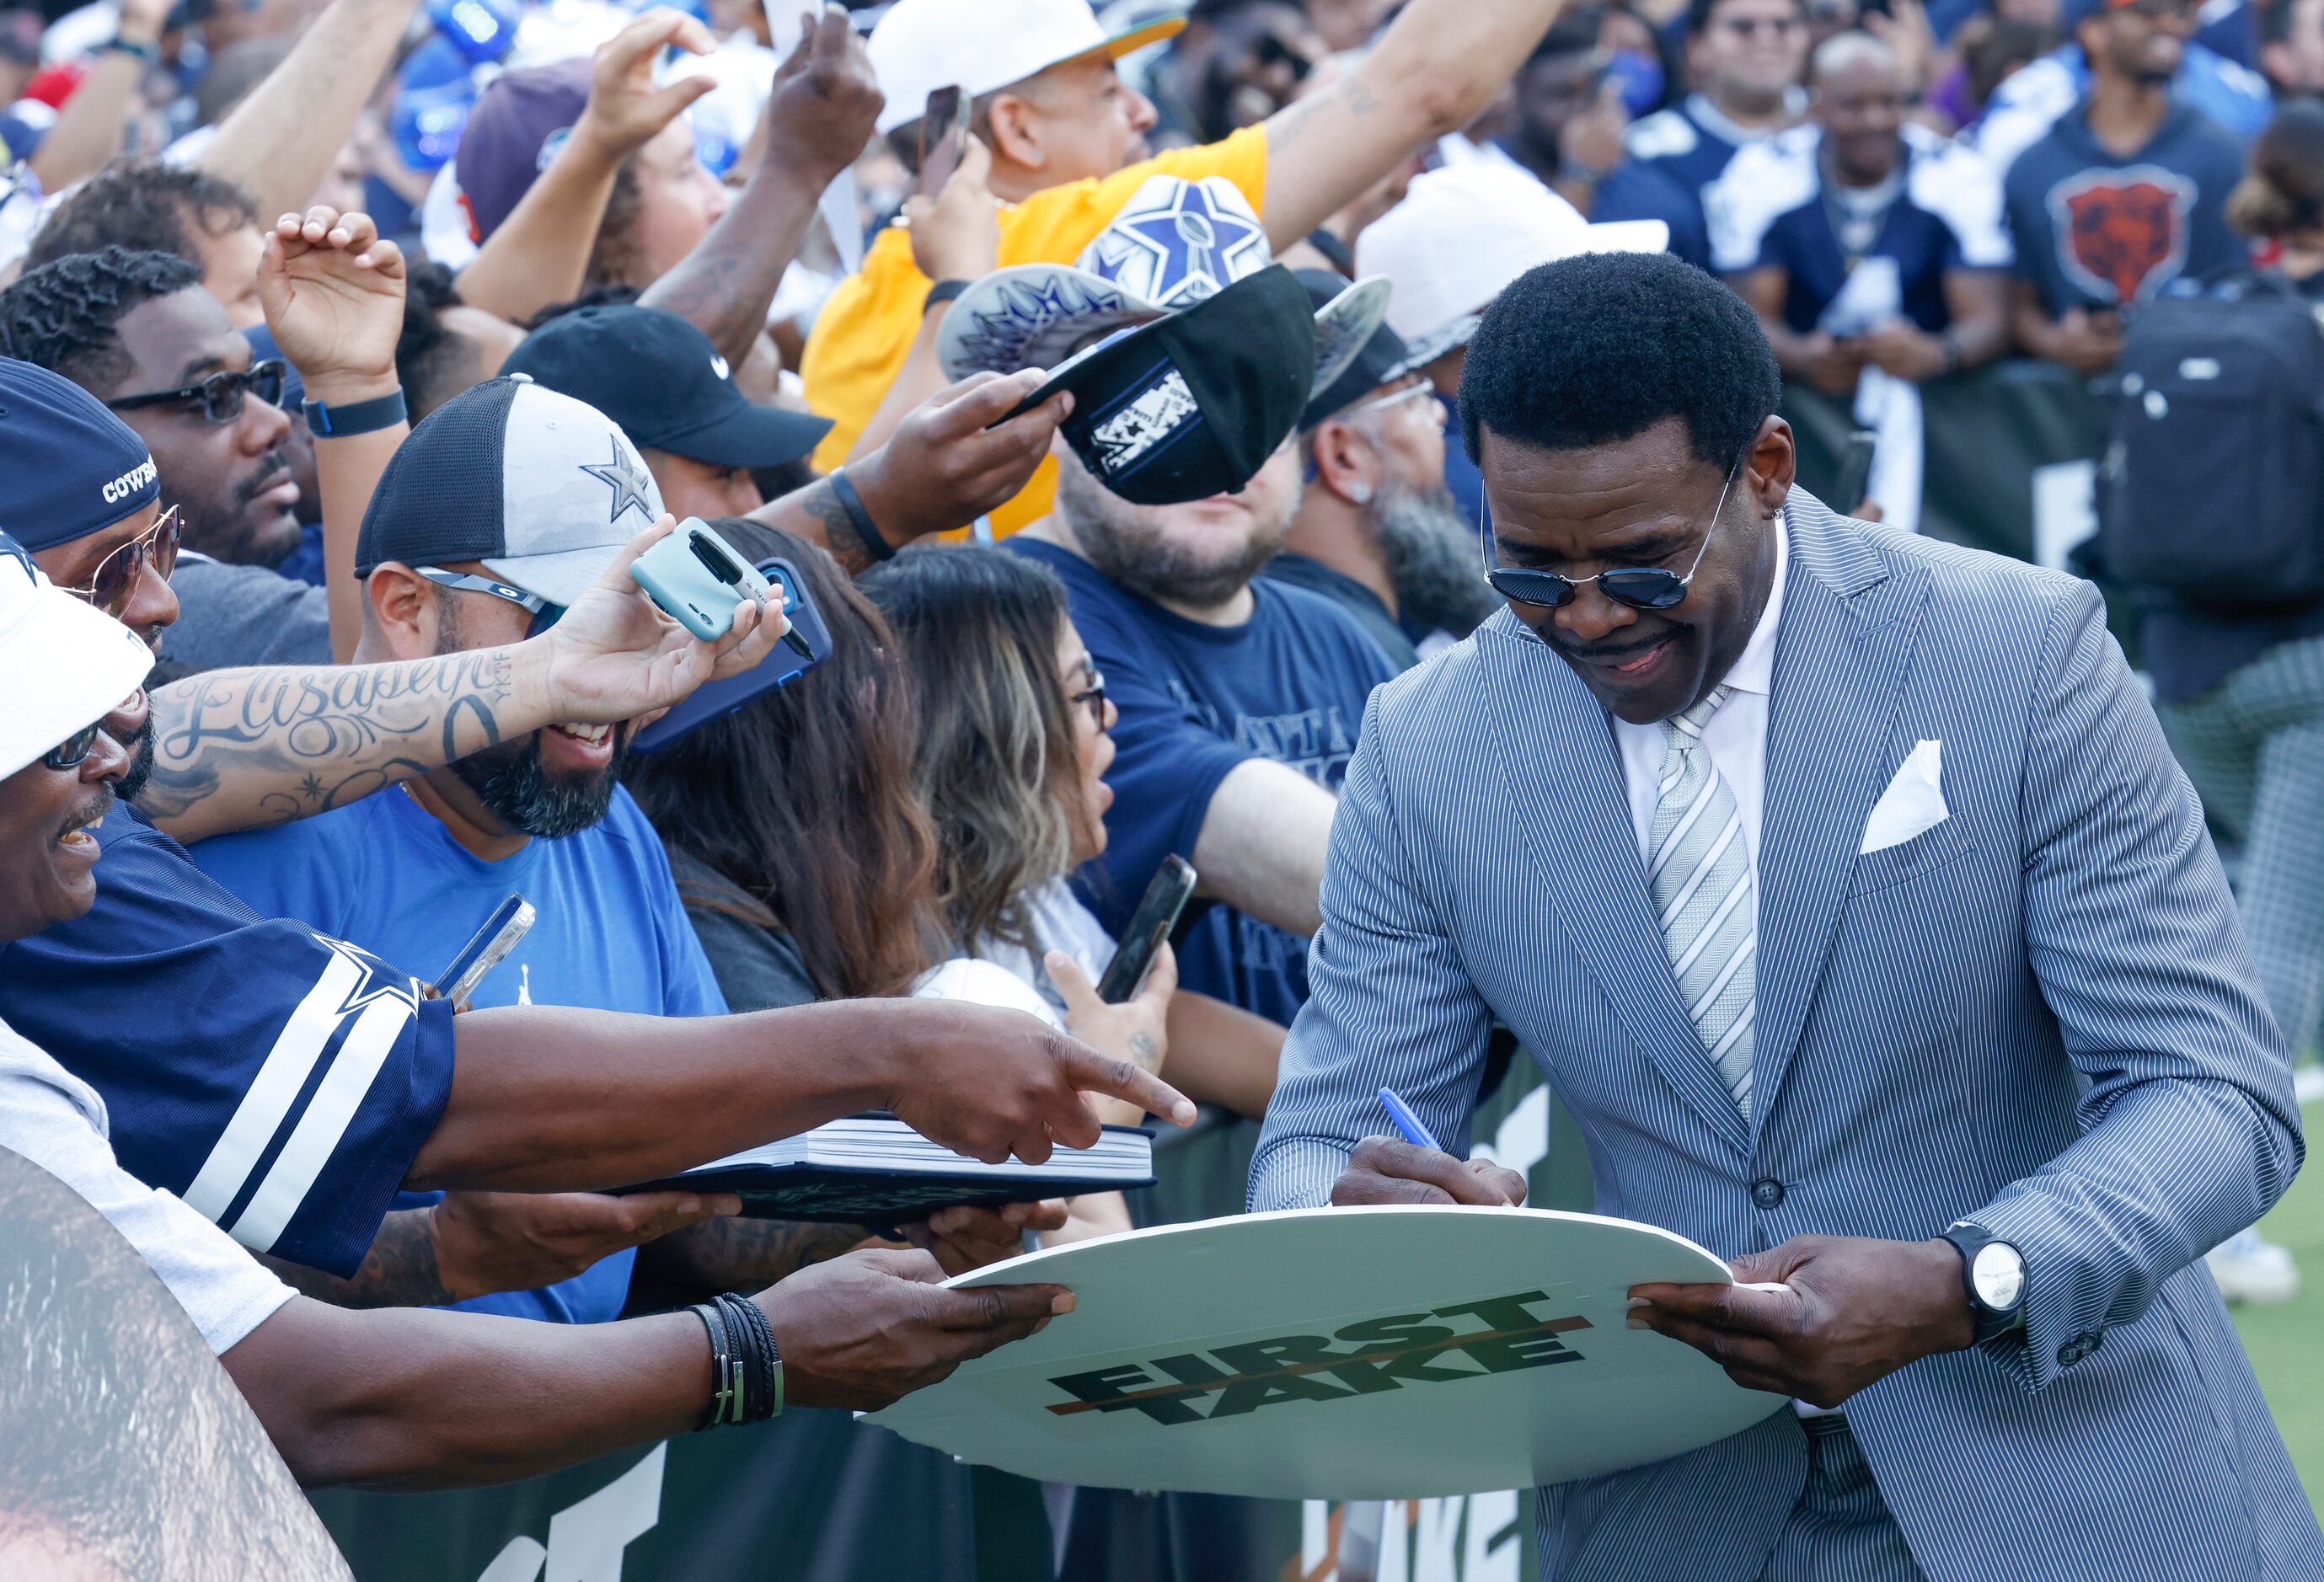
332	288
614	656
625	108
521	1241
943	468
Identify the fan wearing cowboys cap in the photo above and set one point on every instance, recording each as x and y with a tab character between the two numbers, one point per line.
1061	142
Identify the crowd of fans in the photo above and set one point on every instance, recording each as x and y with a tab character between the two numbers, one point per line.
546	273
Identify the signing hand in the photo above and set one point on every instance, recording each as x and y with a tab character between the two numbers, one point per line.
826	103
625	110
866	1330
942	470
333	293
1384	1170
961	1239
614	656
1858	1309
521	1241
1135	1030
988	1082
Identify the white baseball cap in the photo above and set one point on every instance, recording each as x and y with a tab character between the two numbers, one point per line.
979	46
1463	233
66	665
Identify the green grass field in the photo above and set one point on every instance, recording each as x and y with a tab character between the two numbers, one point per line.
2287	1343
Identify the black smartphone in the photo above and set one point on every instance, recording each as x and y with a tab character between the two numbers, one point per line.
943	138
1156	914
1855	471
485	950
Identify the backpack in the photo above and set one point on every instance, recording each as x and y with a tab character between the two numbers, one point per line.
2212	486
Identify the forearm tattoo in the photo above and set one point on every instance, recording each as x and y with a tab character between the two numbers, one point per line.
840	536
295	741
751	1254
399	1271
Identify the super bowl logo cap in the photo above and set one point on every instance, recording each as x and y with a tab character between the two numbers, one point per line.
542	488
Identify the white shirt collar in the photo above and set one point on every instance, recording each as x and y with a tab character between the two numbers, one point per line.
1755	670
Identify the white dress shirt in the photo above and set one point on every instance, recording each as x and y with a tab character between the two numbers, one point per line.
1737	736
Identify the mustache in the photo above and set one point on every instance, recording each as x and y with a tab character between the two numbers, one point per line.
258	482
1616	652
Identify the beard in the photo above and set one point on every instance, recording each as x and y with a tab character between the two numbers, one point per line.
222	525
1132	546
140	748
1432	557
511	782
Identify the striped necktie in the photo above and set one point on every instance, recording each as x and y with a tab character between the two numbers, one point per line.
1704	899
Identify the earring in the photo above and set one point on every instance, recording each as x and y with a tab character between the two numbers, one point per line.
1361	493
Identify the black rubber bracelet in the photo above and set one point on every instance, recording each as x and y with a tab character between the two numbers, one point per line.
941	292
767	1399
357	417
149	53
859	519
722	1362
746	1357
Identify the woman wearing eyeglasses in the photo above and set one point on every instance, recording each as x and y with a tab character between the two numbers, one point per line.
1012	752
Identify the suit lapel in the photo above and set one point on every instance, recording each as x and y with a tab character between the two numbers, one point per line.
1574	826
1849	623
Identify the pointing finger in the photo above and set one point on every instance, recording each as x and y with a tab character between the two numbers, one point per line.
1092	1073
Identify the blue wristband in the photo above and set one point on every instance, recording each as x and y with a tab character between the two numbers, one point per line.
355	418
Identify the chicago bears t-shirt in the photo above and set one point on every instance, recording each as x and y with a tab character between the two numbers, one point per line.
278	1080
2095	231
1287	685
611	934
1941	212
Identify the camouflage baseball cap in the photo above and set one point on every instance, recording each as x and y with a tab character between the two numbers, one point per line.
543	490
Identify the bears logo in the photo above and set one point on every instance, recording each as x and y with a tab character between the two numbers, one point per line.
2122	234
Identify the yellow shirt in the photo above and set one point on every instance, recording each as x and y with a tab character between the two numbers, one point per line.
867	325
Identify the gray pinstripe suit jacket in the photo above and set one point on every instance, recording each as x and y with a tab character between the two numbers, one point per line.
2039	1014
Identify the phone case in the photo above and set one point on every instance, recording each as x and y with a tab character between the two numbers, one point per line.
678	581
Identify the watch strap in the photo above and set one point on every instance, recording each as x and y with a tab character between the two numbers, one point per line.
941	292
147	52
1969	1240
369	417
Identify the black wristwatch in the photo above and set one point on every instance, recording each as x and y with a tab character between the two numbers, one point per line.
1993	1274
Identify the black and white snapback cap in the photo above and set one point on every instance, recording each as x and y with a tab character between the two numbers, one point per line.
542	488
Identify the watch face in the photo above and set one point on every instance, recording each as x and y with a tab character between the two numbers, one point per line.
1999	1275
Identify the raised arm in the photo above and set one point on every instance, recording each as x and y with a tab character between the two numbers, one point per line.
1262	843
280	140
540	254
89	129
1437	65
435	1400
238	750
945	468
817	120
333	294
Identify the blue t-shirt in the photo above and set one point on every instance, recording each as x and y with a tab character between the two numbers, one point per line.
1944	213
278	1080
1288	685
2095	231
611	935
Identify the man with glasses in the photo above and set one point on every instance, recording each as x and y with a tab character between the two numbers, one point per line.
2127	193
1377	531
1846	890
1746	58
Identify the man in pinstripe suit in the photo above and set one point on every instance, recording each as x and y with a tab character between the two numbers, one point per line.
1844	887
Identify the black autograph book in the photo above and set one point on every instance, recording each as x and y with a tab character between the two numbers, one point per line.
873	1169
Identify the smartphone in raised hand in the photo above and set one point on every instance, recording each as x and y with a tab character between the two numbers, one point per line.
943	138
1156	914
484	951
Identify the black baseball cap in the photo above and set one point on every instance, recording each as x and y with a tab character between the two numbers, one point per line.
1383	355
662	381
1193	405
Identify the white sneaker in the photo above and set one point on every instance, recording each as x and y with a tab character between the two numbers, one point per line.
2251	1268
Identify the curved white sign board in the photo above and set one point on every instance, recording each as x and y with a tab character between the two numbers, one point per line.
1345	1354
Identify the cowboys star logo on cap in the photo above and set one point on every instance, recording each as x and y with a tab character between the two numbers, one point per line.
1175	244
630	485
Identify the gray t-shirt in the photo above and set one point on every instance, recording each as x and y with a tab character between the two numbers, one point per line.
757	965
230	615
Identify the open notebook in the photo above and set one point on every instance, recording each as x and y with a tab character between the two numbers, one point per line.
873	1169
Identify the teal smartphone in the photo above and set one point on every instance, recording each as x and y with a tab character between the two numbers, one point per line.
697	578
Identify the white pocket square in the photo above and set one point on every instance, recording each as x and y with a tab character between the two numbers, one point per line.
1914	803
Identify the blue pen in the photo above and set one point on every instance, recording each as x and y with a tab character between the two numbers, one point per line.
1405	1121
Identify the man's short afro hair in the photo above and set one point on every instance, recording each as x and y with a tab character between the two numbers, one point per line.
1598	349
